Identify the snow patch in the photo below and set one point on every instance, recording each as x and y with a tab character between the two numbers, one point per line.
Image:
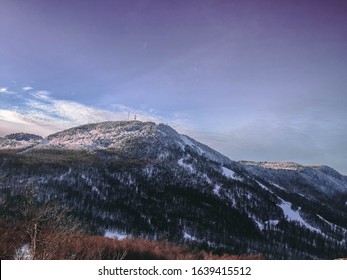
115	235
148	170
180	144
230	174
23	253
185	165
208	180
187	236
63	176
231	198
289	213
95	189
272	222
163	155
294	215
262	226
277	186
216	189
186	141
264	187
189	143
259	224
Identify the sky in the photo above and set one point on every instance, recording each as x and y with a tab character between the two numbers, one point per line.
262	80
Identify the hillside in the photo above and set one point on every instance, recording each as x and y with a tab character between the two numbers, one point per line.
145	180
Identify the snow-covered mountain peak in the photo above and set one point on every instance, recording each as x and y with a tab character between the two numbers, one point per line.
147	138
102	130
112	135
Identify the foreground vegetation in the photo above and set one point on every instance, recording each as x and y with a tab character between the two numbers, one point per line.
17	242
45	230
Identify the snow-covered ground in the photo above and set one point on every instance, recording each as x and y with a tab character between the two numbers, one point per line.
230	174
23	253
187	236
294	215
115	234
288	212
264	187
278	186
216	189
188	142
8	144
203	149
185	165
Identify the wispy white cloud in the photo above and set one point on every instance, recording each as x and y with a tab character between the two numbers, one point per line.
4	90
41	94
27	88
11	116
266	139
12	121
40	113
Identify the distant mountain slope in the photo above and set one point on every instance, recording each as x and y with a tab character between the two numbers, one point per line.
19	141
145	180
300	179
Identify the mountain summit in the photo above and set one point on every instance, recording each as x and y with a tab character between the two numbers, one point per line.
146	180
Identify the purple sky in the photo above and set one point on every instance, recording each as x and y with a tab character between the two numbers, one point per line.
257	79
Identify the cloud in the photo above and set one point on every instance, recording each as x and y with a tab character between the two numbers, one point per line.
267	139
42	114
41	94
11	117
12	121
27	88
4	90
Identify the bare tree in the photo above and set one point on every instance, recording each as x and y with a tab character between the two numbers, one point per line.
47	226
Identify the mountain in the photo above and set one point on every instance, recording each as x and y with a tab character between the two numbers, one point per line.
19	141
145	180
309	180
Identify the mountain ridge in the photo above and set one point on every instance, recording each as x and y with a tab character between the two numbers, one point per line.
40	142
147	180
